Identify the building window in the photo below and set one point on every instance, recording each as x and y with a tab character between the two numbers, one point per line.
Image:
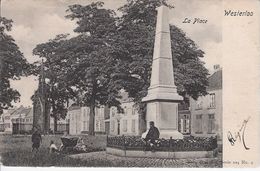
211	123
198	126
97	112
212	100
85	125
7	125
97	126
129	111
125	110
113	111
125	125
185	124
199	103
84	114
112	125
133	125
133	111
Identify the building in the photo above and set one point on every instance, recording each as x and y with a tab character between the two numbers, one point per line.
20	121
17	120
128	122
79	119
62	125
6	124
202	117
125	123
206	111
184	118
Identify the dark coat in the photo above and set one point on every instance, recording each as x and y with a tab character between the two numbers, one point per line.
36	139
153	134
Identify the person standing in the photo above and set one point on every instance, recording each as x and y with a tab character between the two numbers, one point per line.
36	140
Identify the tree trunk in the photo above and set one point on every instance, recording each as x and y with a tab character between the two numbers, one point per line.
55	124
92	118
54	115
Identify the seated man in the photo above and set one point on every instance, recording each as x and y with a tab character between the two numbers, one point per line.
151	136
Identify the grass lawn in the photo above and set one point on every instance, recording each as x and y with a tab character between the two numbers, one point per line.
16	151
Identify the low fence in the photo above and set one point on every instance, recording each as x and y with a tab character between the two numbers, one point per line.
174	145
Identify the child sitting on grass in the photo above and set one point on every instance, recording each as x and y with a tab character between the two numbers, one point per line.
53	148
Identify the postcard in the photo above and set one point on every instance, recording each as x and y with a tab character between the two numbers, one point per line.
130	83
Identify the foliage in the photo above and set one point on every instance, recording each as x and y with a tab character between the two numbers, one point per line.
90	57
112	53
13	65
56	91
135	49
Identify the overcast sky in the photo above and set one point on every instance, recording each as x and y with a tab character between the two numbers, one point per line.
37	21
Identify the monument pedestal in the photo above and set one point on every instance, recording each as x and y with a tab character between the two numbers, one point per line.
162	98
165	116
167	134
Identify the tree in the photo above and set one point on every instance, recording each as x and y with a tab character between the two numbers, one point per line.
135	49
56	91
13	65
92	67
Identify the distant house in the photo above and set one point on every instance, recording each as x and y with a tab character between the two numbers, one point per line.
16	120
20	121
79	119
6	124
184	119
62	125
128	122
206	111
2	126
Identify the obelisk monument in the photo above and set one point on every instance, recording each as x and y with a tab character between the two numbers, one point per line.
162	98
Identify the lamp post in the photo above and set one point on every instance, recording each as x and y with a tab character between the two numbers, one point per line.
19	123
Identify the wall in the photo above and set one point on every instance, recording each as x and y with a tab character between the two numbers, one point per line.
127	125
75	124
79	120
204	111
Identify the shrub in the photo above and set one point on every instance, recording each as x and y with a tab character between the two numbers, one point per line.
186	144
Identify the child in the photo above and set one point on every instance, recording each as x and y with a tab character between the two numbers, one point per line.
53	147
36	140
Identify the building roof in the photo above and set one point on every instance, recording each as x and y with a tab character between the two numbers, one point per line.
74	107
23	111
124	97
215	81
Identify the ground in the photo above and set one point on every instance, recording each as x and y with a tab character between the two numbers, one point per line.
16	151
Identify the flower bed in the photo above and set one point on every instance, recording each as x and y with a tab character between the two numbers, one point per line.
186	144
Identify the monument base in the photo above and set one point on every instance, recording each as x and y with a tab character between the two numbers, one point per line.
167	134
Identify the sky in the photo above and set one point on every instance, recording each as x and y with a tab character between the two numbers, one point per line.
37	21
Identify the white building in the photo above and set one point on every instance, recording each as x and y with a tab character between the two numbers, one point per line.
206	111
126	123
20	120
79	120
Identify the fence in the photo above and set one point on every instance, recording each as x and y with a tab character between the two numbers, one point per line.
186	144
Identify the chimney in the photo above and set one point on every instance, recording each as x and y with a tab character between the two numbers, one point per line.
216	67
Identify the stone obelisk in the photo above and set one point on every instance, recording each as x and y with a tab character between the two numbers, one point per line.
162	98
